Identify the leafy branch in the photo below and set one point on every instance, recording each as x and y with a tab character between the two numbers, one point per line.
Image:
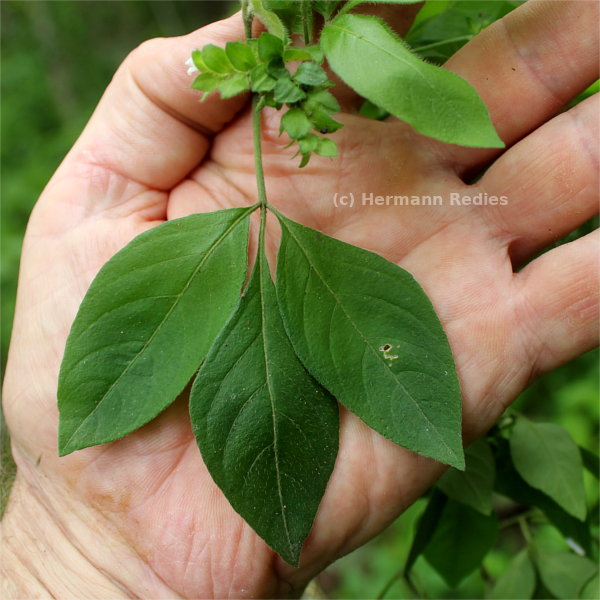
270	361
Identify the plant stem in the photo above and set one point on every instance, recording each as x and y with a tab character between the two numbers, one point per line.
400	575
256	135
247	18
307	21
514	519
258	167
460	38
523	525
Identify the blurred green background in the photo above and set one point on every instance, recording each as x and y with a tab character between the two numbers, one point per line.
57	57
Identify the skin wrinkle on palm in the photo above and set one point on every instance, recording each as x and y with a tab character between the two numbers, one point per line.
490	313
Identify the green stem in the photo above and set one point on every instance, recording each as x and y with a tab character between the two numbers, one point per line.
460	38
524	526
399	576
514	520
258	167
256	136
247	17
307	21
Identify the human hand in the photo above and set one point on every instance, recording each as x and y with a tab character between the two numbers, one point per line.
141	516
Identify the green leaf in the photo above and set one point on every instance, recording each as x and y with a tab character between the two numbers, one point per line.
277	69
462	538
207	82
287	92
426	527
198	62
440	31
308	144
591	461
323	122
306	53
296	123
289	12
326	147
321	99
234	85
352	4
372	111
326	7
267	431
564	574
260	79
269	47
591	588
548	459
510	484
304	161
240	55
370	58
216	59
269	19
473	486
518	581
368	333
146	324
310	73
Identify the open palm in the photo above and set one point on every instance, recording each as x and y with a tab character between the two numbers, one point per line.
144	510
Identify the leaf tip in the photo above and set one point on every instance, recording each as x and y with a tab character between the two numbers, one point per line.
291	554
64	448
456	460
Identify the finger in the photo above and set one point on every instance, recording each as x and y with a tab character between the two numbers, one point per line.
550	181
559	302
149	126
527	66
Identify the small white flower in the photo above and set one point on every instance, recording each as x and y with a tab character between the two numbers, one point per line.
191	66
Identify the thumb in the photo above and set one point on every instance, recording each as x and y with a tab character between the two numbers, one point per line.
149	126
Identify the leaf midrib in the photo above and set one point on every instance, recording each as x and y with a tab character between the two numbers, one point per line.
432	87
177	297
367	343
261	260
396	56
